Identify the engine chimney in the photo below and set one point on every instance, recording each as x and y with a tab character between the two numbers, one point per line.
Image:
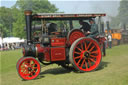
28	18
108	27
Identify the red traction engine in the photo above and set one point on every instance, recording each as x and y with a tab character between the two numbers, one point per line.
69	49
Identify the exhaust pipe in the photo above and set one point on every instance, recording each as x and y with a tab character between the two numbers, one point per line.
28	18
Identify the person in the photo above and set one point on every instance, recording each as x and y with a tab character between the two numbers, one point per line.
94	29
85	26
109	41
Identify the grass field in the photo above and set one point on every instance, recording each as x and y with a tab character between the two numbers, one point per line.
113	71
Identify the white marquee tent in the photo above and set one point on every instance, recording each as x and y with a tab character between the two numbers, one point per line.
11	40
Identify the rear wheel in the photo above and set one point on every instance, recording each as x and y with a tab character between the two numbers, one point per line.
85	54
28	68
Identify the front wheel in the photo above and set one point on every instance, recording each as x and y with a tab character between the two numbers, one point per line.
85	54
28	68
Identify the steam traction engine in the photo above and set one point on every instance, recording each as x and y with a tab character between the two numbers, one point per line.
65	47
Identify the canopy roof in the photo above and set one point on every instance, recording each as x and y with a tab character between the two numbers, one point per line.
62	16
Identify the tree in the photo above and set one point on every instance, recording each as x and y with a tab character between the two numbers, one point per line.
6	21
123	11
19	23
122	17
36	6
43	6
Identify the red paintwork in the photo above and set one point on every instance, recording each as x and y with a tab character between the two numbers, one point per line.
58	41
58	53
45	50
39	49
37	45
47	54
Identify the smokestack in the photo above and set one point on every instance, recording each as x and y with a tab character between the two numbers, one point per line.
102	27
28	18
124	27
108	28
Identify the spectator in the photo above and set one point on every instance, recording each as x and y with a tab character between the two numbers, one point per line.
109	41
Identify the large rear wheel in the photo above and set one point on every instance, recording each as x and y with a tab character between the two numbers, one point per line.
85	54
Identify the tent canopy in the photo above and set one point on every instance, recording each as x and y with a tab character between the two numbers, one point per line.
12	40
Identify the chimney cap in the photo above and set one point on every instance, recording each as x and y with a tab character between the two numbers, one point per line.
28	12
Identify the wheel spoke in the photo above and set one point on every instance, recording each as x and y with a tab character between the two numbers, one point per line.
31	73
92	48
93	56
82	46
86	65
89	45
26	72
94	52
89	63
85	45
77	53
23	70
31	61
77	57
35	67
79	49
79	61
27	62
92	60
25	66
82	62
34	71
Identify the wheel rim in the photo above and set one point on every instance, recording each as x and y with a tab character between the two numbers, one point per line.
87	54
29	68
18	62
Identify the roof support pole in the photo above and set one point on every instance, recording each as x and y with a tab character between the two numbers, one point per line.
71	24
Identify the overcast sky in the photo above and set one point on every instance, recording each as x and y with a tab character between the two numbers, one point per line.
79	6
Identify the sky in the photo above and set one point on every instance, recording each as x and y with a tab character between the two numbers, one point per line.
110	7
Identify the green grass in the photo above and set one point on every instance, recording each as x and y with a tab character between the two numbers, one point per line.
113	71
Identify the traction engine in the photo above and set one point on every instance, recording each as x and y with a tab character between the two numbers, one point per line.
71	50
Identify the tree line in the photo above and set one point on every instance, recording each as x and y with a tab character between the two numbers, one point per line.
122	17
12	21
